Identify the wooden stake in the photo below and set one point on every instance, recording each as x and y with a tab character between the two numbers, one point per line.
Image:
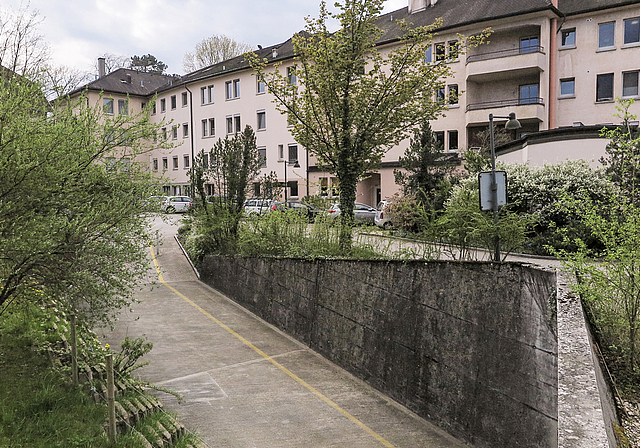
111	399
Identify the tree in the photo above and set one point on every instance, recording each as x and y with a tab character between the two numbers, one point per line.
112	62
147	64
212	50
425	168
71	202
22	49
478	158
351	104
622	159
59	81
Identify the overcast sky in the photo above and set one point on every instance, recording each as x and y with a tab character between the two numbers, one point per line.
78	31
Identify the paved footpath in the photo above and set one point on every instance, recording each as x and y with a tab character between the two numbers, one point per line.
244	383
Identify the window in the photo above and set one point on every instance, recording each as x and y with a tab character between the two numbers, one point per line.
203	95
529	94
174	132
262	120
185	99
293	188
324	186
153	108
291	76
280	152
212	127
185	130
453	47
185	161
293	153
568	38
210	94
428	57
604	87
440	95
606	35
229	125
205	160
453	95
262	156
236	123
143	106
261	86
632	31
438	136
529	44
173	102
107	105
163	105
568	87
175	162
165	164
164	133
453	140
630	84
123	107
232	89
205	130
440	52
155	164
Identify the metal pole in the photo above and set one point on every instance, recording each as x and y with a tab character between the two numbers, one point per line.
111	400
285	180
494	191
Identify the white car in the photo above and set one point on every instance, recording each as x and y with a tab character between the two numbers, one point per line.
382	219
362	213
254	207
173	204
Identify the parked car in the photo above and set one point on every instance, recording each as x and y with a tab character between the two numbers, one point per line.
257	206
382	219
307	210
154	203
173	204
363	213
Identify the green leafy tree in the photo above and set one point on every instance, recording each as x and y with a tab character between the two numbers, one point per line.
148	64
622	159
347	103
71	202
426	169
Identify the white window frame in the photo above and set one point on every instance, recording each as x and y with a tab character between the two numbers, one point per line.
637	36
261	124
630	75
261	86
186	161
205	132
185	99
229	123
568	32
568	81
185	130
212	127
174	102
613	36
107	106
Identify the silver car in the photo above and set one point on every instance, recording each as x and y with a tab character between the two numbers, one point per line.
254	207
363	213
173	204
382	217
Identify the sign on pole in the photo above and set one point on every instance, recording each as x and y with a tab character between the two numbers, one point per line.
484	180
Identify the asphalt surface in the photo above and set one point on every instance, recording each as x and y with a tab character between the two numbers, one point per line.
244	383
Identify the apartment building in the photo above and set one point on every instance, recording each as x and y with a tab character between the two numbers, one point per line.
555	64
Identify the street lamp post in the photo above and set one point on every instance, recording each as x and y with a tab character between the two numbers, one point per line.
295	164
510	125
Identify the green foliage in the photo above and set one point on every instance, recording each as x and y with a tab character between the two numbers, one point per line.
148	64
351	103
555	196
622	159
611	287
71	202
426	169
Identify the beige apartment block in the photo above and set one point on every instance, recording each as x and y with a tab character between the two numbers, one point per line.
556	64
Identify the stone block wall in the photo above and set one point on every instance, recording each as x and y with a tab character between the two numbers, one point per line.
470	346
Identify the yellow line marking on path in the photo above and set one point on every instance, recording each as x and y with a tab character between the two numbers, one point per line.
309	387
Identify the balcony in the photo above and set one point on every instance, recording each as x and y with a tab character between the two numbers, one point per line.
525	109
506	64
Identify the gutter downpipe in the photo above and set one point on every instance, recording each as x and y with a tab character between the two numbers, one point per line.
193	158
553	43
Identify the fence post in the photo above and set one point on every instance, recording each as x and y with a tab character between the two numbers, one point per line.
157	242
74	351
111	399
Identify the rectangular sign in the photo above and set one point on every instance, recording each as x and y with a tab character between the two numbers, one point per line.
484	182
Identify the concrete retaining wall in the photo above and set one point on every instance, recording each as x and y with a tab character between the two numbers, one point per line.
471	346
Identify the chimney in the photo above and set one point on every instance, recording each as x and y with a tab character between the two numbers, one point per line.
418	5
101	67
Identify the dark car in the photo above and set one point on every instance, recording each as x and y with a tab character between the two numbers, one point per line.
305	209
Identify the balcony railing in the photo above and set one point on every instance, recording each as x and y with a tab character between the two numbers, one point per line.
504	53
504	103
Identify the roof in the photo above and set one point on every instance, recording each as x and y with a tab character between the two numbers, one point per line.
573	7
128	82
